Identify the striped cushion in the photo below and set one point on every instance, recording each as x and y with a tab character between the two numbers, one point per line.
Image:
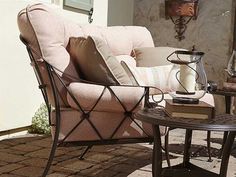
158	76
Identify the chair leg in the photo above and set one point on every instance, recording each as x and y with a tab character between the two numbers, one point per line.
54	144
167	148
85	151
50	159
209	145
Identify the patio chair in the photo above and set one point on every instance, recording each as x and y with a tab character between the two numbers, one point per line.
82	112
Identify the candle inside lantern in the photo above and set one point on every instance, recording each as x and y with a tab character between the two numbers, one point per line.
187	78
189	72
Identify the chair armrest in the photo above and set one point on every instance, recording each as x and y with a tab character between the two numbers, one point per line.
106	98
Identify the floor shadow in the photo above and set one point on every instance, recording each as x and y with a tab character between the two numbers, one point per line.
195	150
219	141
29	156
112	160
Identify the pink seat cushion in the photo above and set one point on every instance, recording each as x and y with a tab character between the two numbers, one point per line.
88	94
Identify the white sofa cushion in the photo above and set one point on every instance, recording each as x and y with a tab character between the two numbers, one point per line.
127	59
153	56
157	76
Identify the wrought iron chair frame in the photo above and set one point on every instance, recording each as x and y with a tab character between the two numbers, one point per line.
52	74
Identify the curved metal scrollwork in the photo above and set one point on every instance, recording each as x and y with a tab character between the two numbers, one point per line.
180	26
183	11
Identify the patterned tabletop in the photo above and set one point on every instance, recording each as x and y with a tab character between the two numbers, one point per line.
157	116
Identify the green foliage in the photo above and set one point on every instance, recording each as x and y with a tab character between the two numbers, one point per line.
40	123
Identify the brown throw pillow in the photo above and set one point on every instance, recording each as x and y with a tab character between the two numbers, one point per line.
96	61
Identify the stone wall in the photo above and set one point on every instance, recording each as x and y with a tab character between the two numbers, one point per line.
211	33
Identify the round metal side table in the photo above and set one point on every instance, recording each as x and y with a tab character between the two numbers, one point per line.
157	117
228	100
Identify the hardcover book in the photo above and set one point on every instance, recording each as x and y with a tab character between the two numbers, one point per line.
231	79
202	110
230	87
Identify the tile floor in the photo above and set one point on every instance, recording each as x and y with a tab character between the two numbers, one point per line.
25	156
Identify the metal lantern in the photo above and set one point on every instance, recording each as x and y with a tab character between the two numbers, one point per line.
181	12
187	80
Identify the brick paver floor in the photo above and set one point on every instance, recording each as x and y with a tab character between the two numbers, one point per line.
26	157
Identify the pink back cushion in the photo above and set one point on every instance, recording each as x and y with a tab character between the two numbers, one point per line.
48	35
53	32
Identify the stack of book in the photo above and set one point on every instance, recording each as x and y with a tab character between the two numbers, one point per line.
197	111
230	85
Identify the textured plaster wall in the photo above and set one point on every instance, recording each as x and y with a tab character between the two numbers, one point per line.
115	17
211	33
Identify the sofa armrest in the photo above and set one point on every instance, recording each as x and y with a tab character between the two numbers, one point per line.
105	98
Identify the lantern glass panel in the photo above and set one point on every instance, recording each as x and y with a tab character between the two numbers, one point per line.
187	80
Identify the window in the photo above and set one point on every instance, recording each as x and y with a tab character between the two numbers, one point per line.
85	5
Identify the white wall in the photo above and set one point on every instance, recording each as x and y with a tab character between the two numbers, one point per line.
19	96
19	93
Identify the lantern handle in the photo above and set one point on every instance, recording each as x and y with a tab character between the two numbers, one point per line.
184	62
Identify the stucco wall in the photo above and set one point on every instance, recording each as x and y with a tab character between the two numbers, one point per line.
120	12
211	32
19	93
19	96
